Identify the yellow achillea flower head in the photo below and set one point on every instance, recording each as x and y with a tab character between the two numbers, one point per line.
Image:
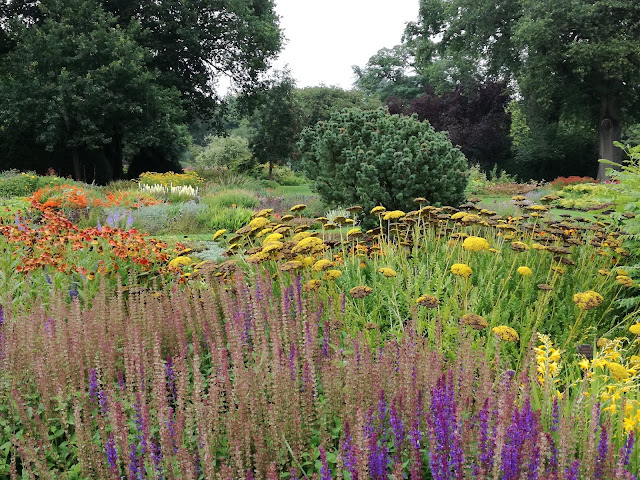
624	280
307	244
458	215
519	246
274	237
428	301
291	265
635	329
604	272
300	235
474	321
312	285
219	233
180	261
360	291
558	269
332	274
258	257
618	371
524	271
354	232
461	269
307	261
378	209
623	272
322	264
388	272
393	215
272	246
475	244
506	333
259	222
587	300
298	208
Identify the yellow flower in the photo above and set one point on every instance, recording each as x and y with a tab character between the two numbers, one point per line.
519	246
587	300
272	246
394	215
618	371
474	321
635	329
458	215
635	360
388	272
360	291
291	265
428	301
537	246
258	257
298	208
307	261
506	333
624	280
461	269
354	232
524	271
259	222
475	244
300	236
180	261
312	285
274	237
219	233
322	264
622	272
629	424
604	272
584	364
378	209
332	274
307	244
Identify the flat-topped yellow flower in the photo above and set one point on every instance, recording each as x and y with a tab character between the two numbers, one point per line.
393	215
259	222
474	321
475	244
377	210
635	329
360	291
322	264
307	244
524	271
298	208
506	334
461	270
312	285
180	261
300	235
354	232
624	280
587	300
428	301
219	233
332	274
388	272
274	237
272	247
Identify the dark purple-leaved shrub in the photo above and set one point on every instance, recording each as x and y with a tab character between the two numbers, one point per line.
476	120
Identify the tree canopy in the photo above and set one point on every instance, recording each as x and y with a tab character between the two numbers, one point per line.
114	76
577	59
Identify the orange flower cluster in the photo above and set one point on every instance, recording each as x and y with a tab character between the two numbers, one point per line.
75	197
58	244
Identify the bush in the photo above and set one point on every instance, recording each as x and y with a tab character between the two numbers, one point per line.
223	176
231	198
169	179
230	152
16	184
372	158
283	175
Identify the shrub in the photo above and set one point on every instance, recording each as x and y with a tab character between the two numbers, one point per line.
230	152
169	179
223	176
17	184
561	182
217	218
370	158
282	175
231	198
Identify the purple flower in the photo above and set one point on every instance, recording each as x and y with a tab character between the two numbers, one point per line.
140	426
103	402
293	474
601	457
112	454
487	439
325	473
171	381
250	474
156	455
50	327
523	430
555	415
93	385
625	451
398	430
129	221
347	452
446	457
573	471
134	467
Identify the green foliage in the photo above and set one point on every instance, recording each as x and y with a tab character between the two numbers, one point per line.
16	184
278	121
223	177
231	198
480	181
372	158
585	196
215	218
317	103
231	152
282	175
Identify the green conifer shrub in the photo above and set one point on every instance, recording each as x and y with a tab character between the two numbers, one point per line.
373	158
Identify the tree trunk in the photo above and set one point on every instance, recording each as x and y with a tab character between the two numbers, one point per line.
78	171
113	153
609	130
270	170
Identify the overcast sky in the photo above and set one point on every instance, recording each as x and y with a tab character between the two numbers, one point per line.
325	38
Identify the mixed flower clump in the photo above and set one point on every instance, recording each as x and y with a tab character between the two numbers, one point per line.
74	197
172	179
